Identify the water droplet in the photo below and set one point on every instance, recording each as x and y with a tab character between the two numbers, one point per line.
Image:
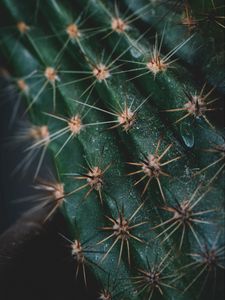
187	135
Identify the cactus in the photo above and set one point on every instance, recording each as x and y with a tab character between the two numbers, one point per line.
205	19
139	159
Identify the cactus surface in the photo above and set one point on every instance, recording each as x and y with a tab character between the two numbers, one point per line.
130	115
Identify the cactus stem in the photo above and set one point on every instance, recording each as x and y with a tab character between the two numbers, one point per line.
93	46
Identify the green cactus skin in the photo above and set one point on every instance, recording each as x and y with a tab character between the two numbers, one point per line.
205	51
143	236
177	86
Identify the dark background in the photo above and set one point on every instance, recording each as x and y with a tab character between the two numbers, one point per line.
35	262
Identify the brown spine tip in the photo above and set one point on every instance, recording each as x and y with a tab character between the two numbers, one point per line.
101	72
39	132
75	124
73	31
22	85
51	74
22	27
118	25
